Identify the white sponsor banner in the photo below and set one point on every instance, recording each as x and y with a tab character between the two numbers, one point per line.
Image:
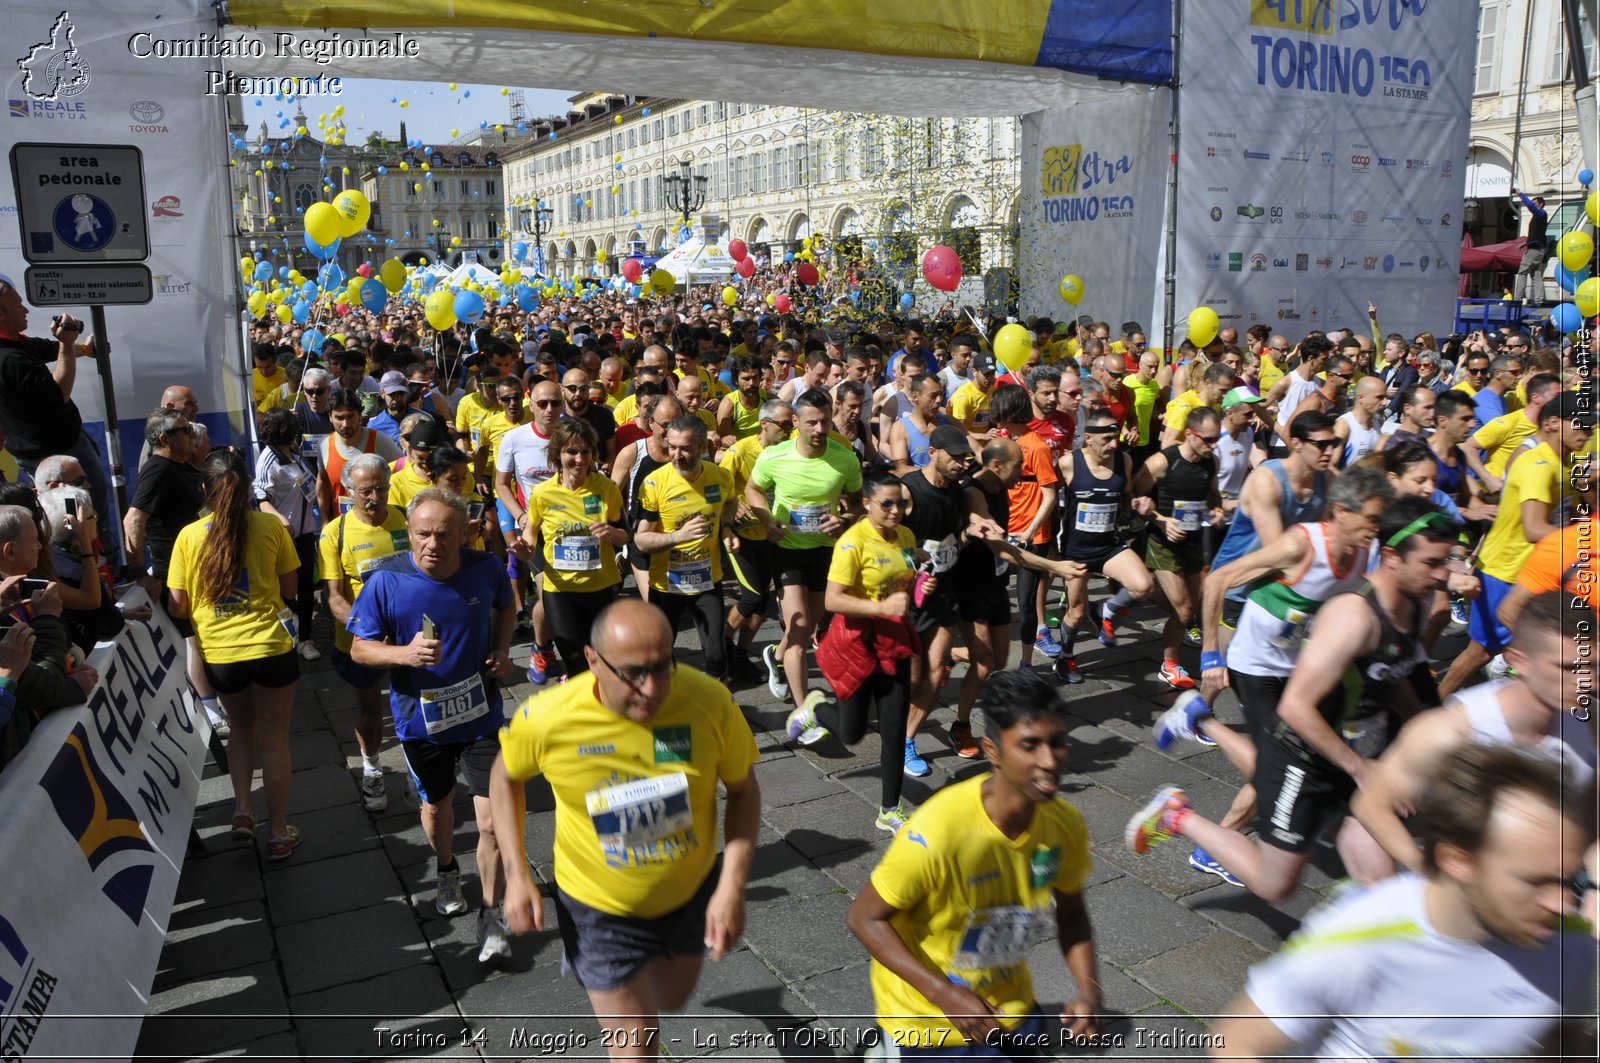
69	77
1321	161
1093	180
98	807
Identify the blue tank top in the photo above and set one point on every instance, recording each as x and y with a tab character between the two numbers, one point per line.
917	441
1449	478
1242	537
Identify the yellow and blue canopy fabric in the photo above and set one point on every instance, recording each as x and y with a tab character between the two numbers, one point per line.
1021	45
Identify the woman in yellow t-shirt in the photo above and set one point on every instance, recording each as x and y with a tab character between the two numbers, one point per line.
871	582
574	523
231	572
451	468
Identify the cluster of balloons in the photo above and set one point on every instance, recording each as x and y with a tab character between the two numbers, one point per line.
1574	251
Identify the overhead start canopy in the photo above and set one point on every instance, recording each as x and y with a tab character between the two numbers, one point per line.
995	57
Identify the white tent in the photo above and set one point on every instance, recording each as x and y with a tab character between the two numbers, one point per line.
699	259
472	271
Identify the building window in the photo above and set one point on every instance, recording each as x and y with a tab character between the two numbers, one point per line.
738	110
466	229
644	195
736	176
488	187
705	113
1488	47
494	227
1558	50
871	153
758	172
780	169
438	189
304	197
800	166
932	130
720	111
672	125
411	190
466	188
688	119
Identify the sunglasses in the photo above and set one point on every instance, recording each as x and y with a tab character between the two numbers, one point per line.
787	426
316	391
511	400
891	503
1073	392
1322	444
575	388
1342	376
1477	372
548	404
1209	441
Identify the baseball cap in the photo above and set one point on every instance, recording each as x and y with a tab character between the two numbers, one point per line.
427	434
393	381
1062	328
9	283
833	336
951	440
1572	406
1237	396
982	363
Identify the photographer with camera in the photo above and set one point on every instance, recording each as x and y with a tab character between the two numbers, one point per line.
36	406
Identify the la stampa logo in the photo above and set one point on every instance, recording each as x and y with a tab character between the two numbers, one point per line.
55	69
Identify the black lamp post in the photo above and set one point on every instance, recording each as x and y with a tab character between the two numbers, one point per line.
441	244
685	191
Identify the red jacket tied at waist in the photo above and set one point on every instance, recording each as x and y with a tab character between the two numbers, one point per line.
856	646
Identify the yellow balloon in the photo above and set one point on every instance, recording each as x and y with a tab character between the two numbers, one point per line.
416	187
1012	345
247	263
393	275
455	241
772	297
1071	288
1587	297
730	295
404	166
405	103
1203	325
452	86
662	282
284	314
617	120
440	309
271	220
322	223
354	211
1575	250
600	257
1591	206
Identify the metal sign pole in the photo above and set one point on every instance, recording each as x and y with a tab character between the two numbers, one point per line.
102	361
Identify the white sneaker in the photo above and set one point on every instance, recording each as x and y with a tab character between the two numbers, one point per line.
1498	666
309	651
449	900
493	937
374	795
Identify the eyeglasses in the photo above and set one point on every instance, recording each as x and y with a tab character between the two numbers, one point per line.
316	391
891	503
1477	372
784	361
663	425
548	404
1322	444
787	426
635	675
1342	376
575	388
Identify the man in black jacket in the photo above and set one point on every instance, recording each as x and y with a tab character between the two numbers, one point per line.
36	404
50	681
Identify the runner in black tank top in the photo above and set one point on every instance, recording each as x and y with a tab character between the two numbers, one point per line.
645	463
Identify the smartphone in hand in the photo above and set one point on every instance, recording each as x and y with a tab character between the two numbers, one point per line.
430	630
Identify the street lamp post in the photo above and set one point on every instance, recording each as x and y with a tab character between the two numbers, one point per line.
441	244
685	191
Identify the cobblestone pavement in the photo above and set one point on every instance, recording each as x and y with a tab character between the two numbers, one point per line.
337	953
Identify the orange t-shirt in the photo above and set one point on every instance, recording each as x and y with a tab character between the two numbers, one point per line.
1038	472
1566	560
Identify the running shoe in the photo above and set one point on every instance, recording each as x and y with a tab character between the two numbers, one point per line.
916	767
1183	721
282	846
1201	860
891	819
1498	668
1174	676
777	682
244	827
373	793
1067	670
538	667
1153	824
802	725
449	900
309	651
1192	637
494	939
1045	643
1108	628
1458	613
963	743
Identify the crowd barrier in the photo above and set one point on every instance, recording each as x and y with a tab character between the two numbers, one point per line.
95	814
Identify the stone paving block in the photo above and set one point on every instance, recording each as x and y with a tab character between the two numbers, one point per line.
525	1012
213	1013
1203	976
1053	984
322	787
1093	751
314	749
1166	867
841	999
738	1003
866	783
1104	813
350	947
206	941
791	781
852	868
1160	1032
342	884
344	1021
1133	922
219	879
407	844
327	832
455	943
779	873
1140	772
825	826
806	938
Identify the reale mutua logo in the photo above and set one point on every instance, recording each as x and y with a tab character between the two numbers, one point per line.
54	68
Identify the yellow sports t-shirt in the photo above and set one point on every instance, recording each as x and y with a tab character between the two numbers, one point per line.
870	566
243	624
636	803
1179	409
404	485
1517	397
1500	438
626	409
971	902
493	429
1144	403
9	469
739	459
1466	389
709	419
1271	373
261	386
364	549
1538	476
714	387
471	412
670	501
575	559
970	406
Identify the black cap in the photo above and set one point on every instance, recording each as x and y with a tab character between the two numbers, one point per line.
951	440
1574	406
427	434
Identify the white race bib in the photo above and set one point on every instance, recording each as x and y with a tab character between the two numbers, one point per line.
575	553
685	576
634	814
446	707
1189	514
943	553
808	519
1291	631
999	937
1096	517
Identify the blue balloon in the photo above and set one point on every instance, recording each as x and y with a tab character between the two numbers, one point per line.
1586	178
321	252
1569	280
301	312
331	277
469	306
283	272
519	251
788	256
383	170
428	281
907	301
374	296
313	340
1566	318
527	299
263	271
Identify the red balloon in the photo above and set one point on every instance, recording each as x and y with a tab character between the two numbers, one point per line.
806	274
780	303
632	270
942	268
737	251
745	267
365	269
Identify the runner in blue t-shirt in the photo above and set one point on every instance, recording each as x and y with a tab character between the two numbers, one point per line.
440	621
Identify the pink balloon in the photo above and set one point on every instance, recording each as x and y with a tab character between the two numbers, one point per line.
737	251
365	269
806	274
632	270
780	303
745	267
342	309
942	268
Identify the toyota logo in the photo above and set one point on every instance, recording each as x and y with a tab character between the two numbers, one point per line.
146	111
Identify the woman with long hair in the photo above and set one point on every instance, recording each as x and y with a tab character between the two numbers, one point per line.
286	487
231	572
